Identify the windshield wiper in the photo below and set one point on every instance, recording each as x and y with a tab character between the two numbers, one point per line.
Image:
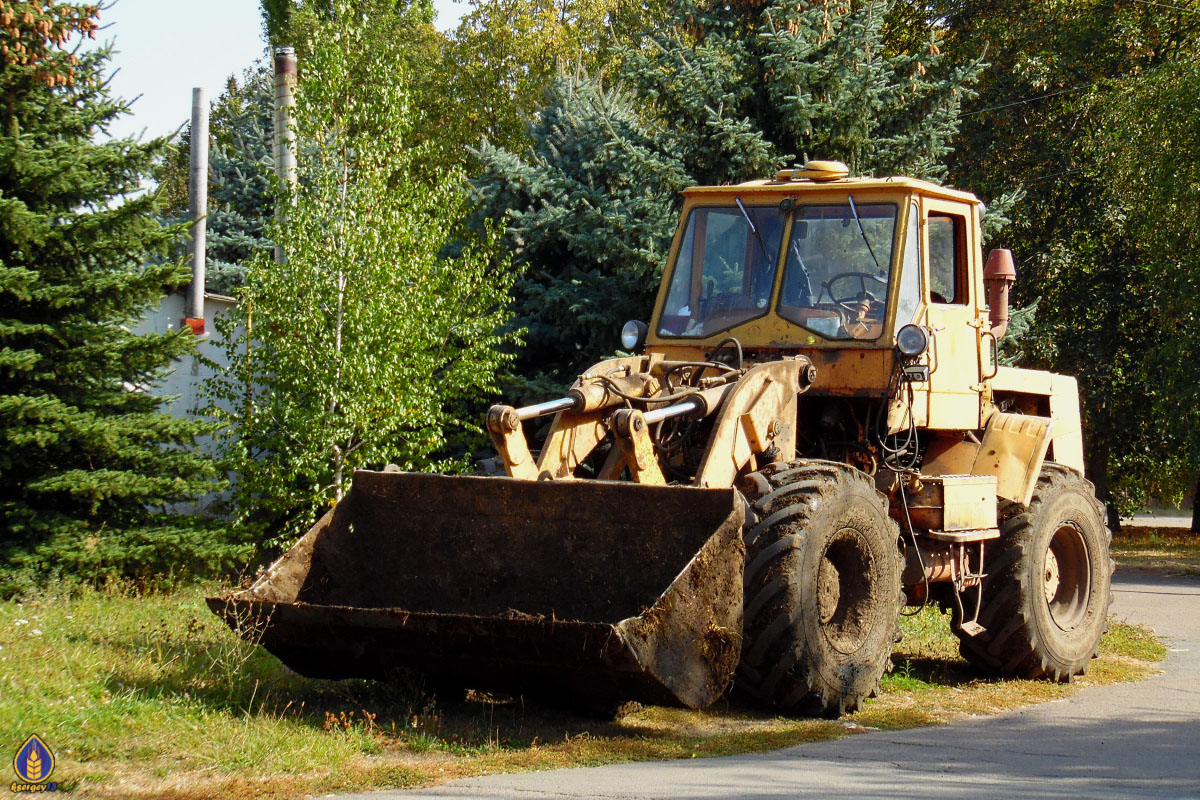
805	298
861	232
757	235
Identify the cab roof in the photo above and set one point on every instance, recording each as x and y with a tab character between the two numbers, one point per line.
781	186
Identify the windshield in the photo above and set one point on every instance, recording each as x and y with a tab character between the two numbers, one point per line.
835	283
725	270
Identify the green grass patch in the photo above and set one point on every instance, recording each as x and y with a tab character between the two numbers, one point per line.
1171	550
152	695
1133	642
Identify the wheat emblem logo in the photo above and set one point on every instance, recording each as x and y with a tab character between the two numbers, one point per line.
34	762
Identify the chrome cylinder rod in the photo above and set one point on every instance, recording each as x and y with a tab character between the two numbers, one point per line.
690	406
549	407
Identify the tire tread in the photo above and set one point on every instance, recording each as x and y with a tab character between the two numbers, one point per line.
1011	644
786	498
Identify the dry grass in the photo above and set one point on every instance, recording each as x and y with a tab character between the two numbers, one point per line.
1174	551
153	697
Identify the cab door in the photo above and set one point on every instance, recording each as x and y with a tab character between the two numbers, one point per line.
955	385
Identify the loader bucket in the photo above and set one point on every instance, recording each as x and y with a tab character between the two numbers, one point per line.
589	592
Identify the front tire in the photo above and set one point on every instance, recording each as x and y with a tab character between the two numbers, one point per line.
822	588
1047	593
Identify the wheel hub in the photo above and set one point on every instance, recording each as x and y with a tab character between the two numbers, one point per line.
829	590
1067	577
1050	576
845	591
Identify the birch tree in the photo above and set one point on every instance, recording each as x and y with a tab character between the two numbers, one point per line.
360	347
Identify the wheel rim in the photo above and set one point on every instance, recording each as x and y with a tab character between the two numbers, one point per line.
844	591
1067	577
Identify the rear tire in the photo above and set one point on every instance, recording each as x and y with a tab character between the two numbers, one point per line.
1046	596
822	588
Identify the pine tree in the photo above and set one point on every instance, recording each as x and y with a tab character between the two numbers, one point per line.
741	88
589	211
88	461
725	92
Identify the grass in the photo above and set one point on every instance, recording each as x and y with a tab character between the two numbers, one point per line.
1172	550
153	696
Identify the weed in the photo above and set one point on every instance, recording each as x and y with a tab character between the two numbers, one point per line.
1132	642
421	741
902	678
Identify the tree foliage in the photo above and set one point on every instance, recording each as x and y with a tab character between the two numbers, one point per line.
1147	151
506	55
1063	72
752	86
486	80
356	348
719	94
89	462
590	210
241	164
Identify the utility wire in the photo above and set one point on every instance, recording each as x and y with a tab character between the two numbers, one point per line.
1080	87
1170	5
1028	100
1053	175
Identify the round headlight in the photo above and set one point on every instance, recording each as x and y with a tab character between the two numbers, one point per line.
633	335
912	341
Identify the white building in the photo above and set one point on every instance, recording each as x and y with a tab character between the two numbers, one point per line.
185	383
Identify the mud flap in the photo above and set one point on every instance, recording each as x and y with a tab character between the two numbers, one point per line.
586	591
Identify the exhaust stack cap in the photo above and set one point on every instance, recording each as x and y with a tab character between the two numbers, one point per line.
999	266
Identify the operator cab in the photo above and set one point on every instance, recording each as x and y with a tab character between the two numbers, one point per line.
812	259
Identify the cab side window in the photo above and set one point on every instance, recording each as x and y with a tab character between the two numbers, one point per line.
947	258
909	298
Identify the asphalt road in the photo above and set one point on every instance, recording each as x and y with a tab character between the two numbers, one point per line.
1122	741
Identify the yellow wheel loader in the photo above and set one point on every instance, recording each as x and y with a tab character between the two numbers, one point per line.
812	434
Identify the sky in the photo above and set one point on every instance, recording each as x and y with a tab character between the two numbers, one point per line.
164	48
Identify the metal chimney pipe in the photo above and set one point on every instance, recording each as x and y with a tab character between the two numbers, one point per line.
285	123
998	274
198	209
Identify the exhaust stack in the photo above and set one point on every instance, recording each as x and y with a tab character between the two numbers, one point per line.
998	275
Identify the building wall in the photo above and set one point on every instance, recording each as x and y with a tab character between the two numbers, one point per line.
185	383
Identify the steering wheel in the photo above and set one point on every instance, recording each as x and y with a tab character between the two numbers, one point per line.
848	301
858	308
